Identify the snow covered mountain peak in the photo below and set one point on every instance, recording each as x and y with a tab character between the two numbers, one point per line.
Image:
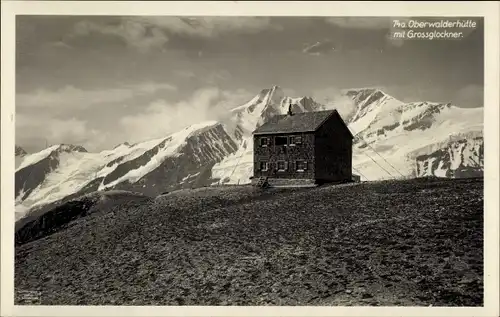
152	166
124	144
394	131
365	95
393	139
51	151
386	131
199	128
71	148
205	142
20	151
269	102
266	104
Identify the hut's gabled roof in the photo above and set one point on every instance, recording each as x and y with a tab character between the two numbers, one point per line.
298	122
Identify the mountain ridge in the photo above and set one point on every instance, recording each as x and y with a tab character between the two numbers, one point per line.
19	151
389	135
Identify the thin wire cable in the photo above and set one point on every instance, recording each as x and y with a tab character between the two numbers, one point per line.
238	162
359	137
379	165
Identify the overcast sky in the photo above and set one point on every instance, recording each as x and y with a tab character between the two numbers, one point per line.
100	81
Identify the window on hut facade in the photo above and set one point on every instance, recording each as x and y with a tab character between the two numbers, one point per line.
281	140
282	166
301	166
264	166
295	140
264	141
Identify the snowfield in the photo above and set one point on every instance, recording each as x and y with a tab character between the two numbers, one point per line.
393	140
170	147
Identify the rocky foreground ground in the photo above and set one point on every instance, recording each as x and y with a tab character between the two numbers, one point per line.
413	242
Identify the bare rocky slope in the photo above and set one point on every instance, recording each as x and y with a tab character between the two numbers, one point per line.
457	157
406	243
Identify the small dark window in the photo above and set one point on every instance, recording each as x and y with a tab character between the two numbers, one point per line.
264	141
281	140
282	166
264	166
301	166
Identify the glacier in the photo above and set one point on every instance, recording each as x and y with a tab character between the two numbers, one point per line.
393	139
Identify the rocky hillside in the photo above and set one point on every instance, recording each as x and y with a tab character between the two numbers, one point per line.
393	140
238	245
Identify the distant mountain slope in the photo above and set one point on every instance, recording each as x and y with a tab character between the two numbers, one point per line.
387	131
34	168
461	155
393	139
390	131
152	167
20	153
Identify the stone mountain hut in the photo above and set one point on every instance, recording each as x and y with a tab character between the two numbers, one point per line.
314	146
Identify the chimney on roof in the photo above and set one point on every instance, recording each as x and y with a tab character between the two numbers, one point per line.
290	113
